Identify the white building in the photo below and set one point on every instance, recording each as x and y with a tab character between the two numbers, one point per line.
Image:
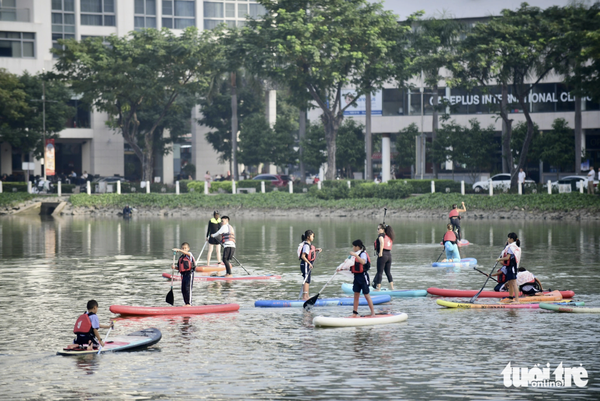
30	28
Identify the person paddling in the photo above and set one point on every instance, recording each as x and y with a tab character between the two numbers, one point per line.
214	224
383	249
454	217
186	266
362	263
86	328
449	242
511	256
228	240
307	254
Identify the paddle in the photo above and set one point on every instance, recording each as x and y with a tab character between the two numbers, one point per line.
306	276
242	266
486	280
170	298
106	337
384	213
311	301
441	256
484	273
201	252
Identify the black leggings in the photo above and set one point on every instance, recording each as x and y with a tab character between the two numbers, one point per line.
456	226
227	255
384	264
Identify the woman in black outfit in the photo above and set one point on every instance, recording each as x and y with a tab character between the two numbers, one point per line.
213	226
383	249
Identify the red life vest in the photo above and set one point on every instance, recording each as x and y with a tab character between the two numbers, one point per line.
449	236
358	268
387	243
501	277
83	325
228	236
312	253
185	264
453	213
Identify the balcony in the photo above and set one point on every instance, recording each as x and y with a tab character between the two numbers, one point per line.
15	14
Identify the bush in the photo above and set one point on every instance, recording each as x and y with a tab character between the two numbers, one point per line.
424	186
9	186
341	182
381	191
10	198
331	193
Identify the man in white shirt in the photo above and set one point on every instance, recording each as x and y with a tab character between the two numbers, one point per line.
591	176
521	176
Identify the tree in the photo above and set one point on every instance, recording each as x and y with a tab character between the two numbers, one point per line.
13	102
405	145
315	146
143	70
449	145
319	47
255	138
477	148
350	147
559	148
516	143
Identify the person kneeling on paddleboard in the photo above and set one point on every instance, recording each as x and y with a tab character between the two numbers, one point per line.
86	329
528	284
450	246
186	266
307	253
511	256
501	274
362	263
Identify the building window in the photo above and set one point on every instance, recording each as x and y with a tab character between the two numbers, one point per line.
63	21
98	12
82	115
256	10
17	44
178	14
145	14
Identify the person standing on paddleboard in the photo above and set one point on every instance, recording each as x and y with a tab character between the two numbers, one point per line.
362	263
307	253
214	225
383	248
228	240
454	217
511	257
186	266
450	245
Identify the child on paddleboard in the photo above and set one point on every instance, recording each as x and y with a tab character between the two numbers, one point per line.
307	253
186	266
450	245
86	329
362	263
511	256
528	284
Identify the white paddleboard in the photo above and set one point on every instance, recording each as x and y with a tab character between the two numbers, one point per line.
351	321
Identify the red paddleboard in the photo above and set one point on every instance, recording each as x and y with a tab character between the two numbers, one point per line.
172	310
442	292
222	278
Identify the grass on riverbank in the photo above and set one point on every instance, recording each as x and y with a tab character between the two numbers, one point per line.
281	200
14	198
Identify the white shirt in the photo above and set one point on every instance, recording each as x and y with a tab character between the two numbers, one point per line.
224	230
521	177
591	175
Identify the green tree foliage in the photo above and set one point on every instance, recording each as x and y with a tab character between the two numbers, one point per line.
142	71
13	101
516	143
405	145
319	47
315	146
559	147
255	137
350	150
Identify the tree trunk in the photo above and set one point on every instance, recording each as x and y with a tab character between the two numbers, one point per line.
301	135
507	162
434	127
234	127
332	124
526	143
368	138
578	135
147	164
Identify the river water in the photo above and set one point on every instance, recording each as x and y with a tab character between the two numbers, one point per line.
51	267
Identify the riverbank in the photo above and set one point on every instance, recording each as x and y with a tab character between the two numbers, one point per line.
572	206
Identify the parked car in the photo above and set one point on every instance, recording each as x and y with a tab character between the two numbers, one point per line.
575	180
499	181
276	179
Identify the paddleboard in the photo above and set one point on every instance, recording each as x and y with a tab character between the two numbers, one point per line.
462	242
443	292
273	303
133	341
210	268
463	263
461	305
566	309
354	321
172	310
222	278
347	288
549	297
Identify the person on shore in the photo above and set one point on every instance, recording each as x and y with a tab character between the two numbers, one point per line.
362	263
450	245
591	175
383	248
214	224
127	212
228	240
511	256
454	217
86	328
307	253
186	265
522	176
207	178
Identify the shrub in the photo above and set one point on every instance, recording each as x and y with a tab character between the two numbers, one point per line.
424	186
9	186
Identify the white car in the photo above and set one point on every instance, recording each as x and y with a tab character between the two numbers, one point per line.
499	181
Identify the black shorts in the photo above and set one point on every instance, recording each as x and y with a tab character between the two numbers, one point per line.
213	241
511	272
304	268
361	283
84	339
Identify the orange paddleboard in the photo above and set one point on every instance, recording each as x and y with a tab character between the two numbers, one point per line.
549	297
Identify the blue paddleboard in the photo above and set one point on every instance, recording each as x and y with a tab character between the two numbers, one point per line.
274	303
347	288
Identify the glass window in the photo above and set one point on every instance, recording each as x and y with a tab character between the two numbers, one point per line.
393	102
57	18
213	10
92	6
150	7
98	12
57	4
109	6
242	10
542	98
138	22
184	8
256	10
69	19
27	49
88	19
109	20
69	5
167	7
182	23
565	100
17	44
211	23
150	22
139	7
230	10
167	23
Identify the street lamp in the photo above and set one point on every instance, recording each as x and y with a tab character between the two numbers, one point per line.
44	122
